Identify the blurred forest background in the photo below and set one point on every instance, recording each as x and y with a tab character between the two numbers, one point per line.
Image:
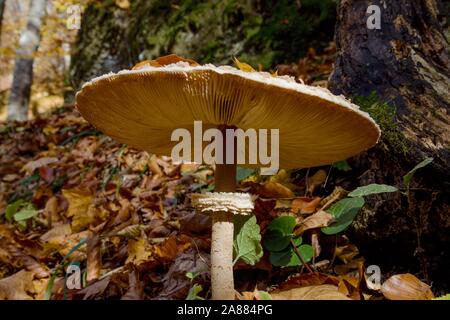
399	74
117	34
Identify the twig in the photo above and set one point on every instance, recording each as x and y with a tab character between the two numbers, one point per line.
306	182
301	258
326	180
334	252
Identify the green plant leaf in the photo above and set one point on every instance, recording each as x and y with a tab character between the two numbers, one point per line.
297	241
408	177
191	275
263	295
342	166
194	291
26	213
275	240
289	258
307	252
279	233
371	189
247	239
284	224
344	211
284	258
12	208
244	173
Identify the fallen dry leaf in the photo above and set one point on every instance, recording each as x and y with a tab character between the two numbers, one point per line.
79	202
305	205
169	249
406	287
33	165
349	286
319	292
175	283
64	243
275	190
95	289
308	279
29	262
17	287
244	295
346	252
57	231
135	290
316	220
137	251
94	257
316	180
51	210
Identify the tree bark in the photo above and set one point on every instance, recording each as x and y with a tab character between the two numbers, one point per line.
23	69
407	63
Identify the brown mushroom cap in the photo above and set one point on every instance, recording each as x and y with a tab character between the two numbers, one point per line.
142	107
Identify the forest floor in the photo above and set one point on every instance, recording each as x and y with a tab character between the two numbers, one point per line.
71	196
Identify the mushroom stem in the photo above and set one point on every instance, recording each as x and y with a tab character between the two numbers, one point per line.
222	282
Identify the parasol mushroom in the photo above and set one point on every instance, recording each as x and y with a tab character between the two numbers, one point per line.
142	107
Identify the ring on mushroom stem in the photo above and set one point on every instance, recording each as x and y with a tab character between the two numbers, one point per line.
143	106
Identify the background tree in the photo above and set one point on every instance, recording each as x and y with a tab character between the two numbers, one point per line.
23	69
407	63
2	9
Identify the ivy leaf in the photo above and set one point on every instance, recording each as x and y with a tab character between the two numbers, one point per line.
372	189
247	238
26	213
344	211
408	177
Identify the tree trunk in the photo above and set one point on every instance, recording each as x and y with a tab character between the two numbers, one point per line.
407	63
2	9
23	69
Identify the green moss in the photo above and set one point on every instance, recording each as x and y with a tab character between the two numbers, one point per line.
385	115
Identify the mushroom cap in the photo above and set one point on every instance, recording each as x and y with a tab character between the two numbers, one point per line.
143	106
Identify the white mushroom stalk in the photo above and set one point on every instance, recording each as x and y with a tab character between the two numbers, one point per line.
222	206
